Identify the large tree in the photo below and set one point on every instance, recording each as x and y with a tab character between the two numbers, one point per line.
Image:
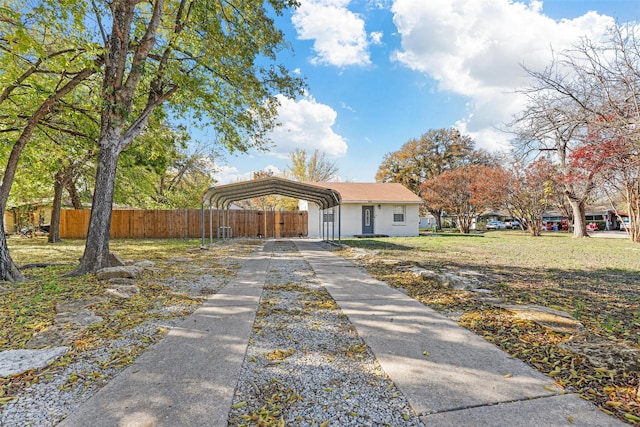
44	56
212	58
589	94
552	123
435	152
612	146
466	192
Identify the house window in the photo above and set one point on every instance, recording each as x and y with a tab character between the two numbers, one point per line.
398	213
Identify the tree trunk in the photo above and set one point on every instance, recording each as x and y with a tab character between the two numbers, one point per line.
54	227
534	227
633	206
8	270
96	252
70	185
437	214
579	220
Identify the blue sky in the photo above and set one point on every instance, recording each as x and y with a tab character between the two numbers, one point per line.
381	72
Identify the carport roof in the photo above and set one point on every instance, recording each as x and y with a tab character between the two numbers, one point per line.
224	195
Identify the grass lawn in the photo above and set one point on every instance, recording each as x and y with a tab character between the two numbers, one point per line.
597	280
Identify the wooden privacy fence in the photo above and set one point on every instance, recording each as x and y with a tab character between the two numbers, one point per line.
183	223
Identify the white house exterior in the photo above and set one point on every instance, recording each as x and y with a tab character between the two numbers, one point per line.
372	208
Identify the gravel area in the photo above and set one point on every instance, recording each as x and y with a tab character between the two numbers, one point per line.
305	364
60	391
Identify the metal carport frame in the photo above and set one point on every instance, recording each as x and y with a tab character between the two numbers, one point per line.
223	195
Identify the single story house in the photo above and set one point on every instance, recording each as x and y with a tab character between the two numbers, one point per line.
36	216
367	209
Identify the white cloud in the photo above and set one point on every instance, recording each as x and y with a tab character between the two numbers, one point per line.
231	174
476	48
339	35
347	107
306	124
376	37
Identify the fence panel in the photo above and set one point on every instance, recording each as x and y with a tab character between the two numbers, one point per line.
74	224
139	224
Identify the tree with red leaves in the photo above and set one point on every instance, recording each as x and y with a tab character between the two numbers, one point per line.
466	192
585	107
615	158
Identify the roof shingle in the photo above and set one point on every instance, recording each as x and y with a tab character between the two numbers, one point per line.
371	192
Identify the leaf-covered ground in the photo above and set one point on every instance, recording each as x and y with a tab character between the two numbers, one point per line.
29	307
595	280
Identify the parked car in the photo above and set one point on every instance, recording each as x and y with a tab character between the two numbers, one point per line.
513	224
496	225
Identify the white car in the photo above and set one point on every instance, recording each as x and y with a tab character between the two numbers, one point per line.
496	225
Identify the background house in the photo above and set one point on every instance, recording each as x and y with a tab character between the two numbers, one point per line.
36	216
367	209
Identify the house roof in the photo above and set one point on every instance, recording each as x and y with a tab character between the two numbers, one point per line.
371	192
324	194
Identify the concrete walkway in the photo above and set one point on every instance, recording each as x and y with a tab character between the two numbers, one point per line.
188	378
450	376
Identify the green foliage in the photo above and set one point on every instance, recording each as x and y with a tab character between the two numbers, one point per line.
156	171
435	152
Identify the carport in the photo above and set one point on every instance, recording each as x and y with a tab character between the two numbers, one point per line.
221	197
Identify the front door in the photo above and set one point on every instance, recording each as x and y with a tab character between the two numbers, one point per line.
367	220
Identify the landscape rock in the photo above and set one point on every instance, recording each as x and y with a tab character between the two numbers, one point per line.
115	260
358	253
83	318
121	281
127	272
391	262
145	263
556	320
458	281
67	306
55	335
72	318
181	259
615	355
123	291
15	361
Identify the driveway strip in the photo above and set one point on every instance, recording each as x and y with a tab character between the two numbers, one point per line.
188	378
450	376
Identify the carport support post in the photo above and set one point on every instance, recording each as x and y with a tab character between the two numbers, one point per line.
333	225
217	222
340	225
202	221
210	223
